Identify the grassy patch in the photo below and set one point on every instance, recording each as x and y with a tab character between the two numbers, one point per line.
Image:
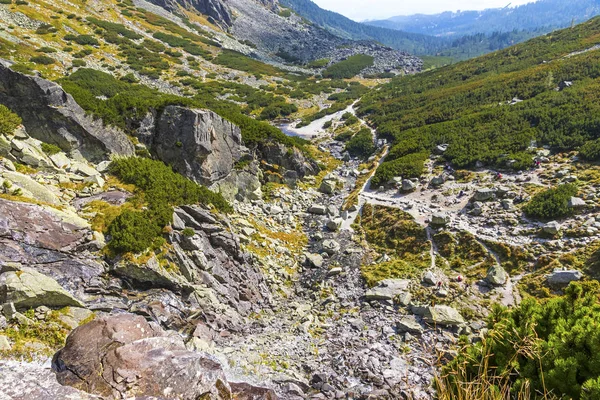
394	232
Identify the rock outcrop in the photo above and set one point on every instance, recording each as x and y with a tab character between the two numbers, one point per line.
26	288
216	10
198	143
289	159
52	116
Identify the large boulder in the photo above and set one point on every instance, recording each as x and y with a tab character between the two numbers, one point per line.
562	277
27	288
387	289
443	315
440	219
124	356
199	144
552	228
484	194
497	276
52	116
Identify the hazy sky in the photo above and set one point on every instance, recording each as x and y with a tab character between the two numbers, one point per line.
381	9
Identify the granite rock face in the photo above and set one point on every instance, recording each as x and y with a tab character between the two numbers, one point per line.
52	116
198	143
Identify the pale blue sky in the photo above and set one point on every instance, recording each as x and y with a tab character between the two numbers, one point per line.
360	10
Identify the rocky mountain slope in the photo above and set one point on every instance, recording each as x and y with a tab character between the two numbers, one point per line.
161	237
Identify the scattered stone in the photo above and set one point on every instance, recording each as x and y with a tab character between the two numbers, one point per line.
409	324
330	246
317	209
552	228
4	343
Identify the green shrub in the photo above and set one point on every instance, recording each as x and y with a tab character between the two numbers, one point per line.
348	68
550	346
552	203
408	166
161	189
590	151
361	144
46	49
86	40
78	63
234	60
351	120
285	13
132	231
328	124
50	149
189	232
9	121
43	60
5	1
321	63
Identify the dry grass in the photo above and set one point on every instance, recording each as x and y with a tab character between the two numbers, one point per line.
459	383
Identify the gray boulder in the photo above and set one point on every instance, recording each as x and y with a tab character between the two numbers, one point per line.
438	180
315	260
387	289
334	224
409	324
496	275
27	288
443	315
330	246
328	186
408	185
552	228
562	277
317	209
52	116
440	219
199	144
576	202
484	194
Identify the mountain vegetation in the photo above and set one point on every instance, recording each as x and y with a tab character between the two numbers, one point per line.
470	105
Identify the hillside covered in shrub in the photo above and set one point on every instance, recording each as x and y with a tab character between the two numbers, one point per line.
491	109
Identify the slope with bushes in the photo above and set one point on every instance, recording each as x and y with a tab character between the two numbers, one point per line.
490	109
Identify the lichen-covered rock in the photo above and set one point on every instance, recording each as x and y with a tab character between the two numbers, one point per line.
27	288
52	116
199	144
443	315
124	356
